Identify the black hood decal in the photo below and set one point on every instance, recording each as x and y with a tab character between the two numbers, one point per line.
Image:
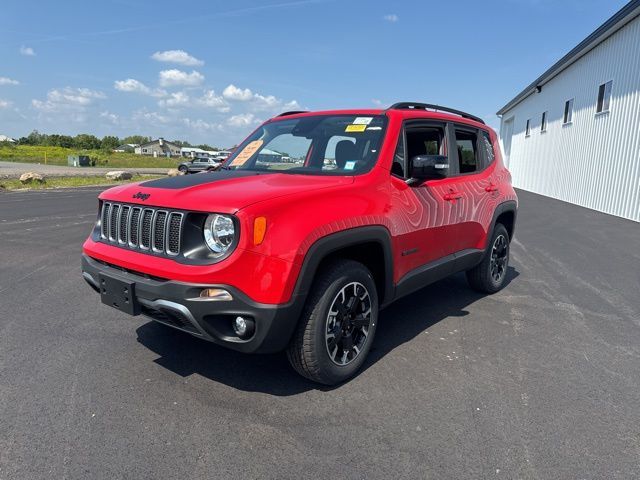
186	181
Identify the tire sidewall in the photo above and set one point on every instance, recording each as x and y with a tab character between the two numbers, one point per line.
339	373
495	286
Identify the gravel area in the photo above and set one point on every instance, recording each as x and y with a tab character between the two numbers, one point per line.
15	169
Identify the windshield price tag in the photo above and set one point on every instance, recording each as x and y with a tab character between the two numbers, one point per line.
355	128
246	153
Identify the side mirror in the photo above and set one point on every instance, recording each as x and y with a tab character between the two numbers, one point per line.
424	167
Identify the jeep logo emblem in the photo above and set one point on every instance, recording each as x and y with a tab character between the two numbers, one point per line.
142	196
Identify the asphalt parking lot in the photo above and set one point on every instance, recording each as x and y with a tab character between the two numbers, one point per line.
541	380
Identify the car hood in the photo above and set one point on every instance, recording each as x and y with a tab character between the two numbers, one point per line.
225	191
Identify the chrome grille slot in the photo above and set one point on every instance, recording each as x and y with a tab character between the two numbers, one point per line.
104	220
174	229
159	230
123	224
139	228
145	229
113	221
134	226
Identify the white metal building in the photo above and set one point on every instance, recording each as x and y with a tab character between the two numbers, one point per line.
574	133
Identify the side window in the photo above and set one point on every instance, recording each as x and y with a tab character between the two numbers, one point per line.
397	168
488	148
425	141
467	151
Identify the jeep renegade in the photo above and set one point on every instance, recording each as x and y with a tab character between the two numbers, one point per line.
313	224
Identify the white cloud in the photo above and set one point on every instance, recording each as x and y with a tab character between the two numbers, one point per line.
177	56
5	103
392	17
68	99
136	86
111	117
377	102
27	51
201	125
174	77
234	93
211	100
8	81
242	120
256	101
153	118
177	99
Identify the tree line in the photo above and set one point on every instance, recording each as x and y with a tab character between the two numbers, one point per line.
85	141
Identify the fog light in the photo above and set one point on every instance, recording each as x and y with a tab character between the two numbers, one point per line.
243	326
215	294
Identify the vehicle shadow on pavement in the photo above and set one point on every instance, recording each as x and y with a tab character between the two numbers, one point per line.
185	355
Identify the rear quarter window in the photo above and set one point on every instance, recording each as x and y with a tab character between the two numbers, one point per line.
488	148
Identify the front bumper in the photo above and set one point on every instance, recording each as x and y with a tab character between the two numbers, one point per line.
177	305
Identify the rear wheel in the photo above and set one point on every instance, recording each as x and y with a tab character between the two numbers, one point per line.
490	275
338	324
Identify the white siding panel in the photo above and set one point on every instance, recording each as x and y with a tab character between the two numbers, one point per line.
595	160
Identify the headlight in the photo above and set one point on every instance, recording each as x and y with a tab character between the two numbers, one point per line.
219	233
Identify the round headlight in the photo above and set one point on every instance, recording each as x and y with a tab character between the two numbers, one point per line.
219	233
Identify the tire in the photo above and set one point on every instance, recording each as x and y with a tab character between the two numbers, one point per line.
183	169
323	319
490	274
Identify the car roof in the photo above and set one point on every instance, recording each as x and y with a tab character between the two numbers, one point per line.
390	112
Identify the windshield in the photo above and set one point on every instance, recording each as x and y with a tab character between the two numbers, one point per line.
314	145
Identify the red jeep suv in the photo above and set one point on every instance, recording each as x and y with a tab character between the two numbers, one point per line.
314	223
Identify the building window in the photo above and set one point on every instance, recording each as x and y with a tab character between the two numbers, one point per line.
568	111
543	122
528	129
604	97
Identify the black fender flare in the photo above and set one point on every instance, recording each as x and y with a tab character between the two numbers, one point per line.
508	206
331	243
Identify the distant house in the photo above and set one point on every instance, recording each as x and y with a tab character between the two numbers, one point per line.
4	138
126	147
158	148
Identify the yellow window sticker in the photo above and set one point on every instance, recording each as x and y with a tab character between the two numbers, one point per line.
246	153
355	128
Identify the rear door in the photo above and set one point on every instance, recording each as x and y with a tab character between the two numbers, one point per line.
473	185
428	215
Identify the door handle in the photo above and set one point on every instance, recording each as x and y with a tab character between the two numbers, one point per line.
452	196
491	188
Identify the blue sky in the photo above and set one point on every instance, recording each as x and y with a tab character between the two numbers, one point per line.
209	71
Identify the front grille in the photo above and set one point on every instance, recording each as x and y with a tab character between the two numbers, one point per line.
141	228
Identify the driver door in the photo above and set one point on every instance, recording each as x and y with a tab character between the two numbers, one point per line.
429	216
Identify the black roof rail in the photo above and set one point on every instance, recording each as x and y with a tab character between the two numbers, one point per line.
292	112
429	106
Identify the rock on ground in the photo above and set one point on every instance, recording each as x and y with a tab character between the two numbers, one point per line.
174	172
31	177
119	175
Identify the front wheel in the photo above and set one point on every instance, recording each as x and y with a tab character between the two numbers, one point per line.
338	324
490	275
183	169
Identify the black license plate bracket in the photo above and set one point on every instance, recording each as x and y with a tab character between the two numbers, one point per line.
119	294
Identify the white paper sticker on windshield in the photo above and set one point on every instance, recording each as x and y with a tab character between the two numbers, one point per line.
350	165
362	120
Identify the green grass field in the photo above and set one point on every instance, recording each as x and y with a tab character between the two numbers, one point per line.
70	182
58	156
